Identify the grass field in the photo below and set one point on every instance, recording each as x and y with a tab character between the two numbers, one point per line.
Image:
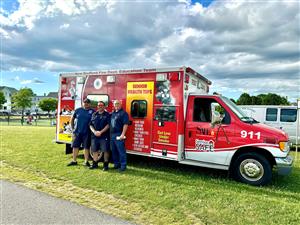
151	191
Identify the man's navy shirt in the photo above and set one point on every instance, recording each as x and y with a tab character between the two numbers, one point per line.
83	117
99	121
118	119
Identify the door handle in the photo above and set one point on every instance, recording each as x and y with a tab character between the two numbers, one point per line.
161	123
190	134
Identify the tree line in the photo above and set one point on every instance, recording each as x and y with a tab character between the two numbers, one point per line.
262	99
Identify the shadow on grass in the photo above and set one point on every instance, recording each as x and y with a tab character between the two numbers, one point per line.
172	170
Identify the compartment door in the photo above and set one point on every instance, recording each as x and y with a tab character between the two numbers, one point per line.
165	131
139	105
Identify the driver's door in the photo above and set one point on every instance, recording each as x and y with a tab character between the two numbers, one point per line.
204	141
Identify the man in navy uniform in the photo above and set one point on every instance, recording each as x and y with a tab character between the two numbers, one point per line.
99	126
118	127
81	134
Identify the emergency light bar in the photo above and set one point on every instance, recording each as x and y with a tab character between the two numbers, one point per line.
111	79
161	76
80	80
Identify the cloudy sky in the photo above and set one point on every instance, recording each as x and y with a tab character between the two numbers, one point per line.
248	46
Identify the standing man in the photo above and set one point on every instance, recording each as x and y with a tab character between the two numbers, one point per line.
99	126
82	134
118	127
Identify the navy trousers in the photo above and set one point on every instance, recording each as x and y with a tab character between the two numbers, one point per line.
118	153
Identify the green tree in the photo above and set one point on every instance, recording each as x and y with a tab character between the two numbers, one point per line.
262	99
244	99
273	99
48	104
22	100
2	99
256	100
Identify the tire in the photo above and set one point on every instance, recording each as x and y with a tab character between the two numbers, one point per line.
253	169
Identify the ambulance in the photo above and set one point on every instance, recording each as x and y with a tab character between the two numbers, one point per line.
173	116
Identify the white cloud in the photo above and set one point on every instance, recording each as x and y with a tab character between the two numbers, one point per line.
35	80
230	42
27	14
67	7
26	82
16	78
64	26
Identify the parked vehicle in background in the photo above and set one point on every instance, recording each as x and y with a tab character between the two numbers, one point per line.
285	118
173	117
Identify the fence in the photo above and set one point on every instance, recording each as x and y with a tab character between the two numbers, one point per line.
16	120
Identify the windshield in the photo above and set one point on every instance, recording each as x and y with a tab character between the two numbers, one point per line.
237	111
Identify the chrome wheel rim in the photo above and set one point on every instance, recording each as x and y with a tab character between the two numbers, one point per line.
251	169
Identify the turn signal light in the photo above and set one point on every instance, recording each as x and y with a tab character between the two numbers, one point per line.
283	146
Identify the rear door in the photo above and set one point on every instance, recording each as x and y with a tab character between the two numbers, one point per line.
165	131
139	105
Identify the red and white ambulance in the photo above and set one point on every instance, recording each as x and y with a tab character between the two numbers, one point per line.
173	117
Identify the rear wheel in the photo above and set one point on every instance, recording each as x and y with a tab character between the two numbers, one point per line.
253	169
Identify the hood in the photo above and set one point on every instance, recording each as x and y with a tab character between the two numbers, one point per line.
269	134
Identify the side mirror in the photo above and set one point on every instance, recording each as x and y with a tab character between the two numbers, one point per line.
215	118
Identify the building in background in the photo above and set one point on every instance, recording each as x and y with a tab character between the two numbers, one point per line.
8	105
8	92
36	99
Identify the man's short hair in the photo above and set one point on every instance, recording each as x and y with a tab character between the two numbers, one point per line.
86	100
102	102
117	102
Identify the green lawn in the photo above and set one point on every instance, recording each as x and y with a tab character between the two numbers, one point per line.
151	191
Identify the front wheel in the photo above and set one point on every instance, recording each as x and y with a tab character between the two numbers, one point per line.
253	169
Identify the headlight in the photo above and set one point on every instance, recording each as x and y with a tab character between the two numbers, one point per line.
284	146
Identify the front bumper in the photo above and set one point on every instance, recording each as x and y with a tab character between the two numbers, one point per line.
284	165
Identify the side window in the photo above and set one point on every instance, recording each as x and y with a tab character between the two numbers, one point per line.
271	114
165	113
138	109
96	98
288	115
203	109
225	117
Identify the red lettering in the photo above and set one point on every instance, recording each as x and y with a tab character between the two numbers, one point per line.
140	86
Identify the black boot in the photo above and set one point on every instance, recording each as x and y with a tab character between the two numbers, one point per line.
94	165
105	166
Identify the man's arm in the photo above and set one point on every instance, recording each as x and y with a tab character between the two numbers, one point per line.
92	129
72	122
125	126
104	129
